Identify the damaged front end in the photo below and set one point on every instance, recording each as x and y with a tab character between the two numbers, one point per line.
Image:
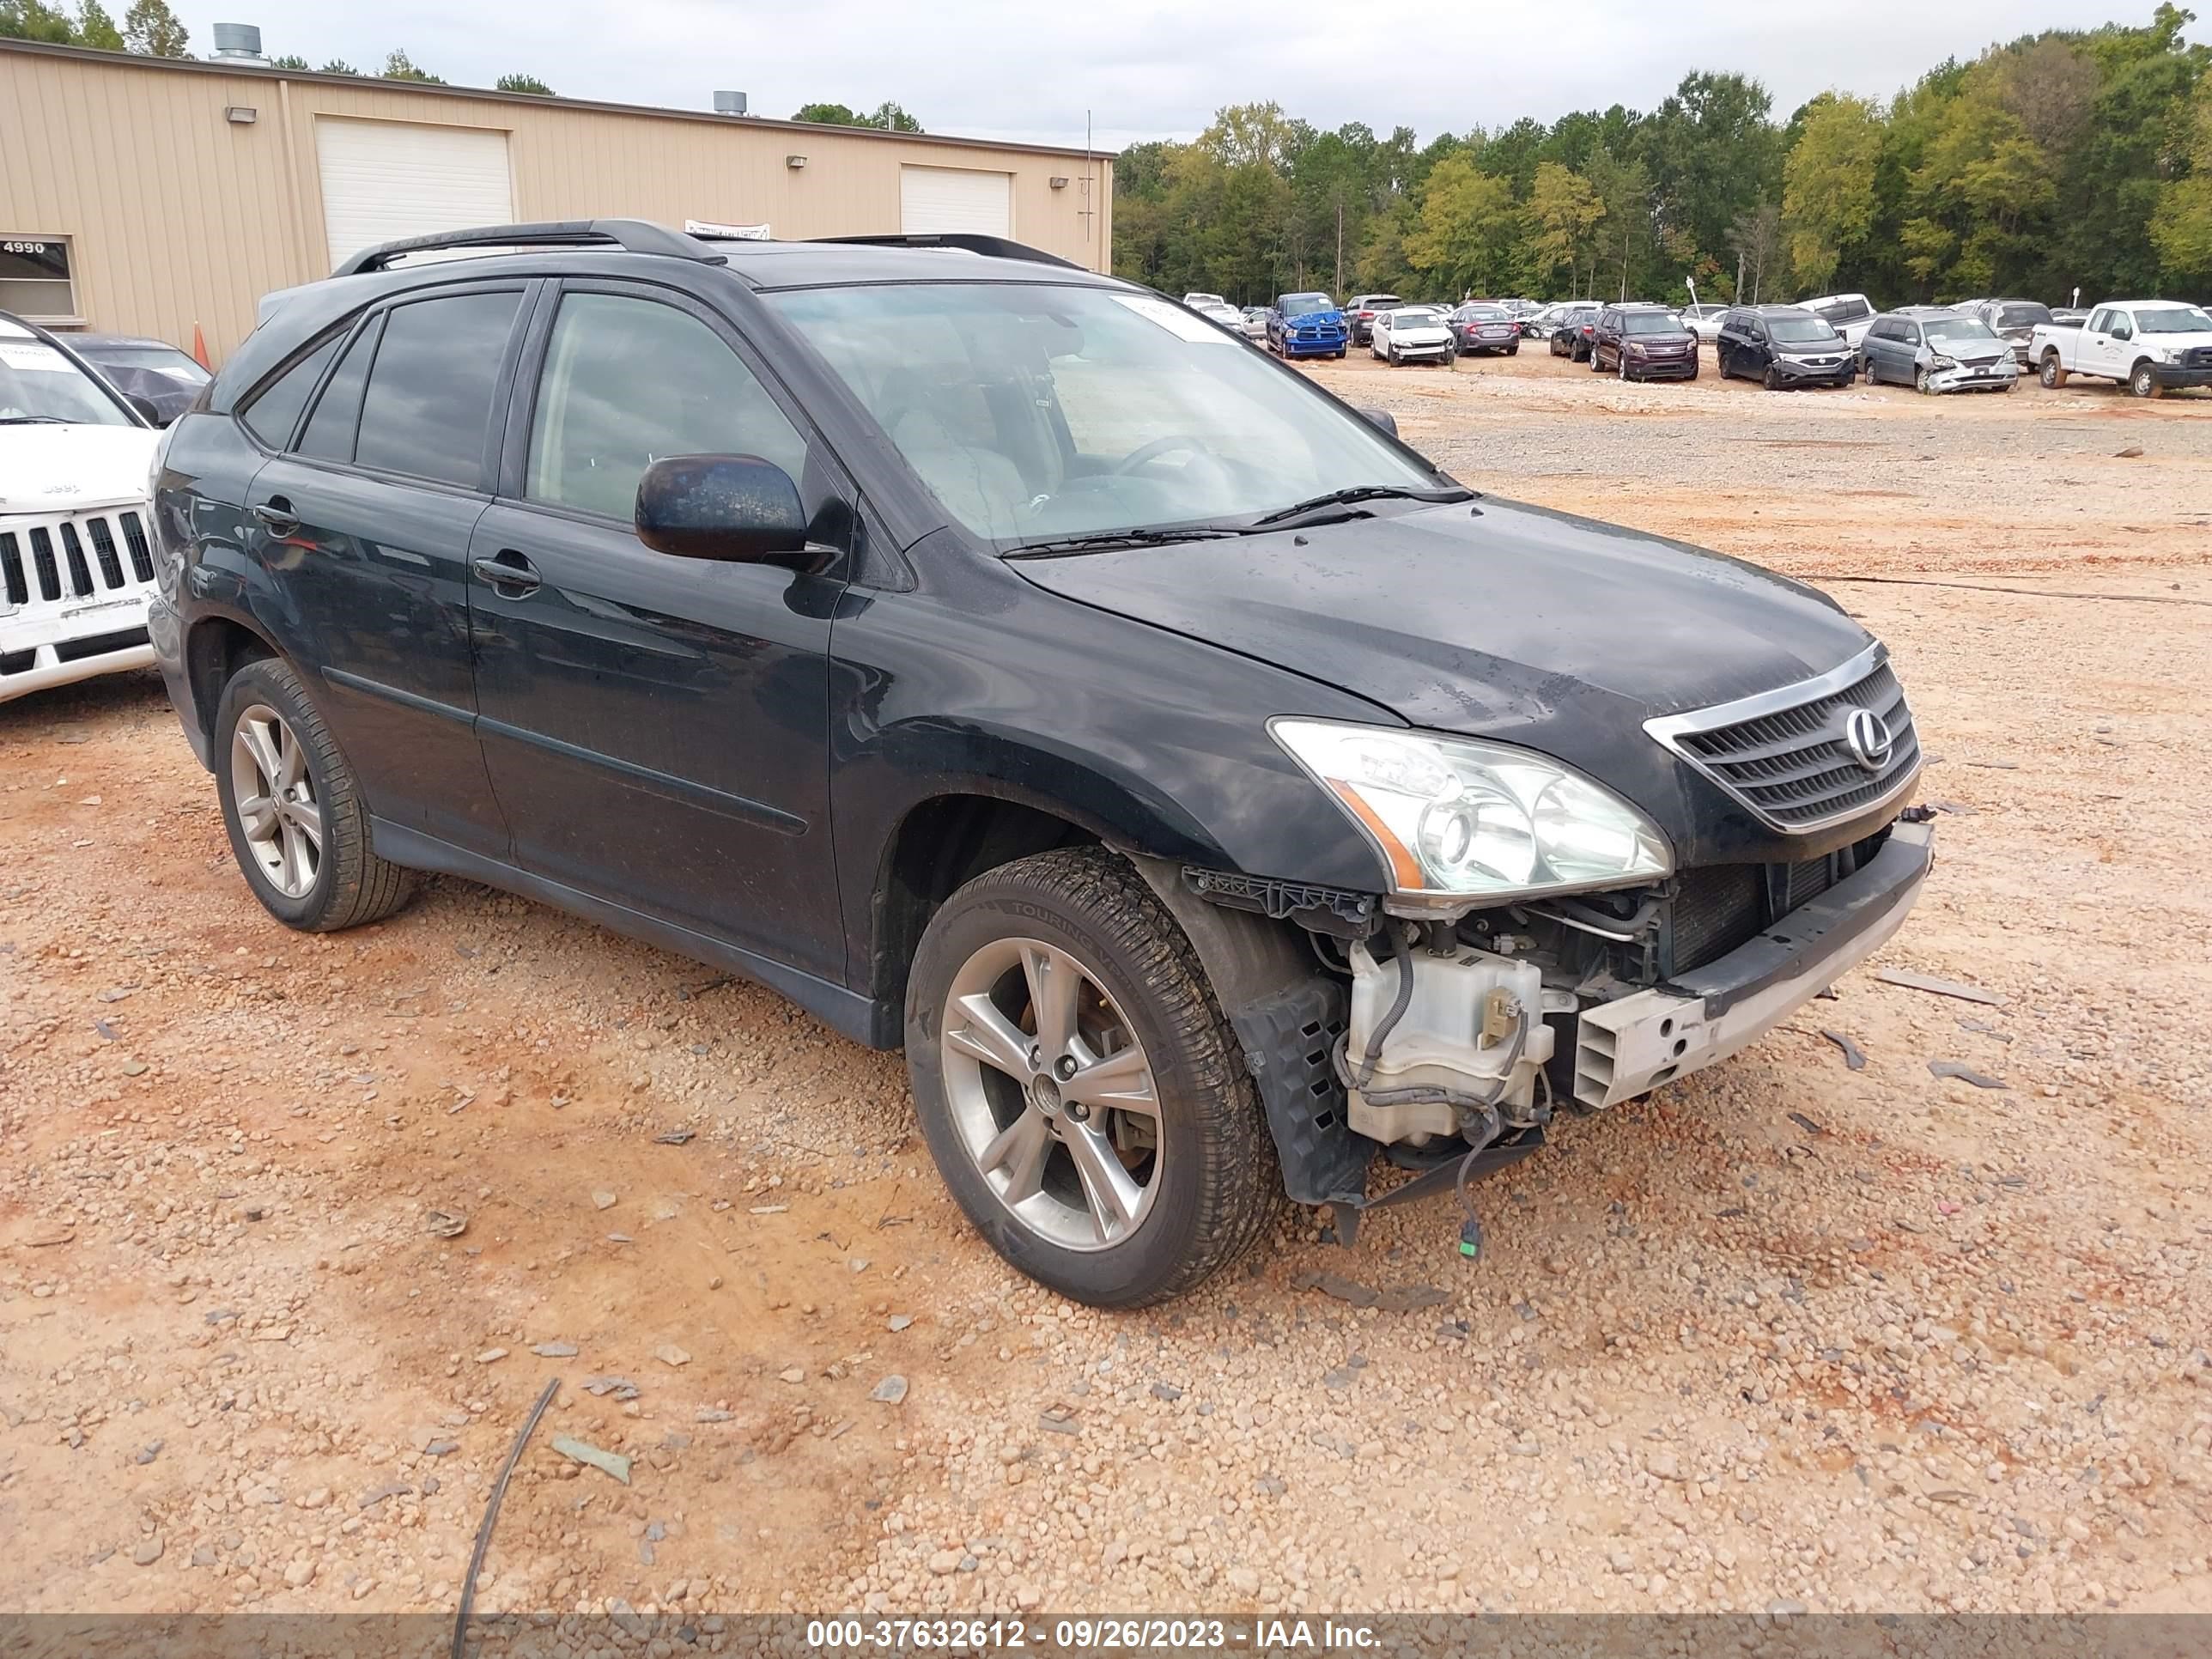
1539	950
1445	1045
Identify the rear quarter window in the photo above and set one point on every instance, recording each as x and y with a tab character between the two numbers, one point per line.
274	410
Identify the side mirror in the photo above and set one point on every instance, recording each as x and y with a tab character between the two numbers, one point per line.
146	409
1383	418
736	508
2122	331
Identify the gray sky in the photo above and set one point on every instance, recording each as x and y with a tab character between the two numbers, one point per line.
1151	70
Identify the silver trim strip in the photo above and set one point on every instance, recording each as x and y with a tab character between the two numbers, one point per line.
1669	729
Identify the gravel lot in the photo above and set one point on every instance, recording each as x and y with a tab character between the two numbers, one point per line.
1783	1333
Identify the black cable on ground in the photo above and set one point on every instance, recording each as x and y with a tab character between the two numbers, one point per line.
2024	592
492	1516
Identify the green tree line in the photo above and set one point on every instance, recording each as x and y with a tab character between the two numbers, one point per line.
2071	158
151	30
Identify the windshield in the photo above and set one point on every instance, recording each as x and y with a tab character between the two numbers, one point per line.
2026	314
2173	319
1037	412
166	360
1415	317
1485	314
39	383
1802	331
1648	322
1844	311
1297	305
1957	330
1378	302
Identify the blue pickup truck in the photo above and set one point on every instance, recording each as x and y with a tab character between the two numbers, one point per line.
1307	326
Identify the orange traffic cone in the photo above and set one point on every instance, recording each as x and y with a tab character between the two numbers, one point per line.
199	349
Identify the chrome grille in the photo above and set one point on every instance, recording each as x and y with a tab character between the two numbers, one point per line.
1782	754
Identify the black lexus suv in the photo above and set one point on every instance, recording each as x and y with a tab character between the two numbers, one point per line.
1005	663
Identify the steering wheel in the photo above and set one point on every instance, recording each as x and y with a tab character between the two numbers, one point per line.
1145	454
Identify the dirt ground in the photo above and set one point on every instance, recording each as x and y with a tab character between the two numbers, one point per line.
1785	1334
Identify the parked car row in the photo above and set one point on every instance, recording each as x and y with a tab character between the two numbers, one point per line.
1976	345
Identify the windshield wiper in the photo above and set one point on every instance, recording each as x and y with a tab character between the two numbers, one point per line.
1098	541
33	420
1358	493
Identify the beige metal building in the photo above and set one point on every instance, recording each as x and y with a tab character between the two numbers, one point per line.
147	196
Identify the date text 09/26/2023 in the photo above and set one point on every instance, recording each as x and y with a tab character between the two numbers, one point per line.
1090	1635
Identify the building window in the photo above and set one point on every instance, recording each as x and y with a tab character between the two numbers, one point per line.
35	280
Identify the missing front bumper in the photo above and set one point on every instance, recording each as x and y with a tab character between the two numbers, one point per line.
1627	1047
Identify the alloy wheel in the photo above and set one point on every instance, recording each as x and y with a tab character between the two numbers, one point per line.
277	804
1052	1094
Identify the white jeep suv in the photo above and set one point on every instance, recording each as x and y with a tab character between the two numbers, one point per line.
77	551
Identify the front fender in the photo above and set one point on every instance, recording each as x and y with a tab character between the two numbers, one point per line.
979	682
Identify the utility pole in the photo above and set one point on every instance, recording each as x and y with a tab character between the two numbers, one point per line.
1339	289
1089	209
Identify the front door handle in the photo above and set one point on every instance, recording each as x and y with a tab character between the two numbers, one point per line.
276	515
510	576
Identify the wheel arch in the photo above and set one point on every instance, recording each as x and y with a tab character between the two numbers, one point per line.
217	646
941	843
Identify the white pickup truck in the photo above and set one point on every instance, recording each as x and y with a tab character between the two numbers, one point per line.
2148	345
76	559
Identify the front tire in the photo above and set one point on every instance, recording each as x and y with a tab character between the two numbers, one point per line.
1080	1092
2143	383
293	806
1920	384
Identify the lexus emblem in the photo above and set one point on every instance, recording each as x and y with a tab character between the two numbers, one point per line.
1867	735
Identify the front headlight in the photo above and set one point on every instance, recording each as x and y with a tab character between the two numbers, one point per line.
2161	354
1459	816
1943	361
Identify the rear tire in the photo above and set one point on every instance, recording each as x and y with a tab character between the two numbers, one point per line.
2053	375
302	840
1199	1160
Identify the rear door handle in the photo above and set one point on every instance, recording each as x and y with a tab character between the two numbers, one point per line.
510	576
276	515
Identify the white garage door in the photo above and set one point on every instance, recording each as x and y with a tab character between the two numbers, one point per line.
385	179
956	198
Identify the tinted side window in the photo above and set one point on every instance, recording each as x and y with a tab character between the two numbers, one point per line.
628	382
428	403
330	431
275	409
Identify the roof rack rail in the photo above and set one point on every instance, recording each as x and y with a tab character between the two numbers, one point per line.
994	247
631	235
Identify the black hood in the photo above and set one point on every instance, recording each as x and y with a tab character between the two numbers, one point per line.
1498	619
